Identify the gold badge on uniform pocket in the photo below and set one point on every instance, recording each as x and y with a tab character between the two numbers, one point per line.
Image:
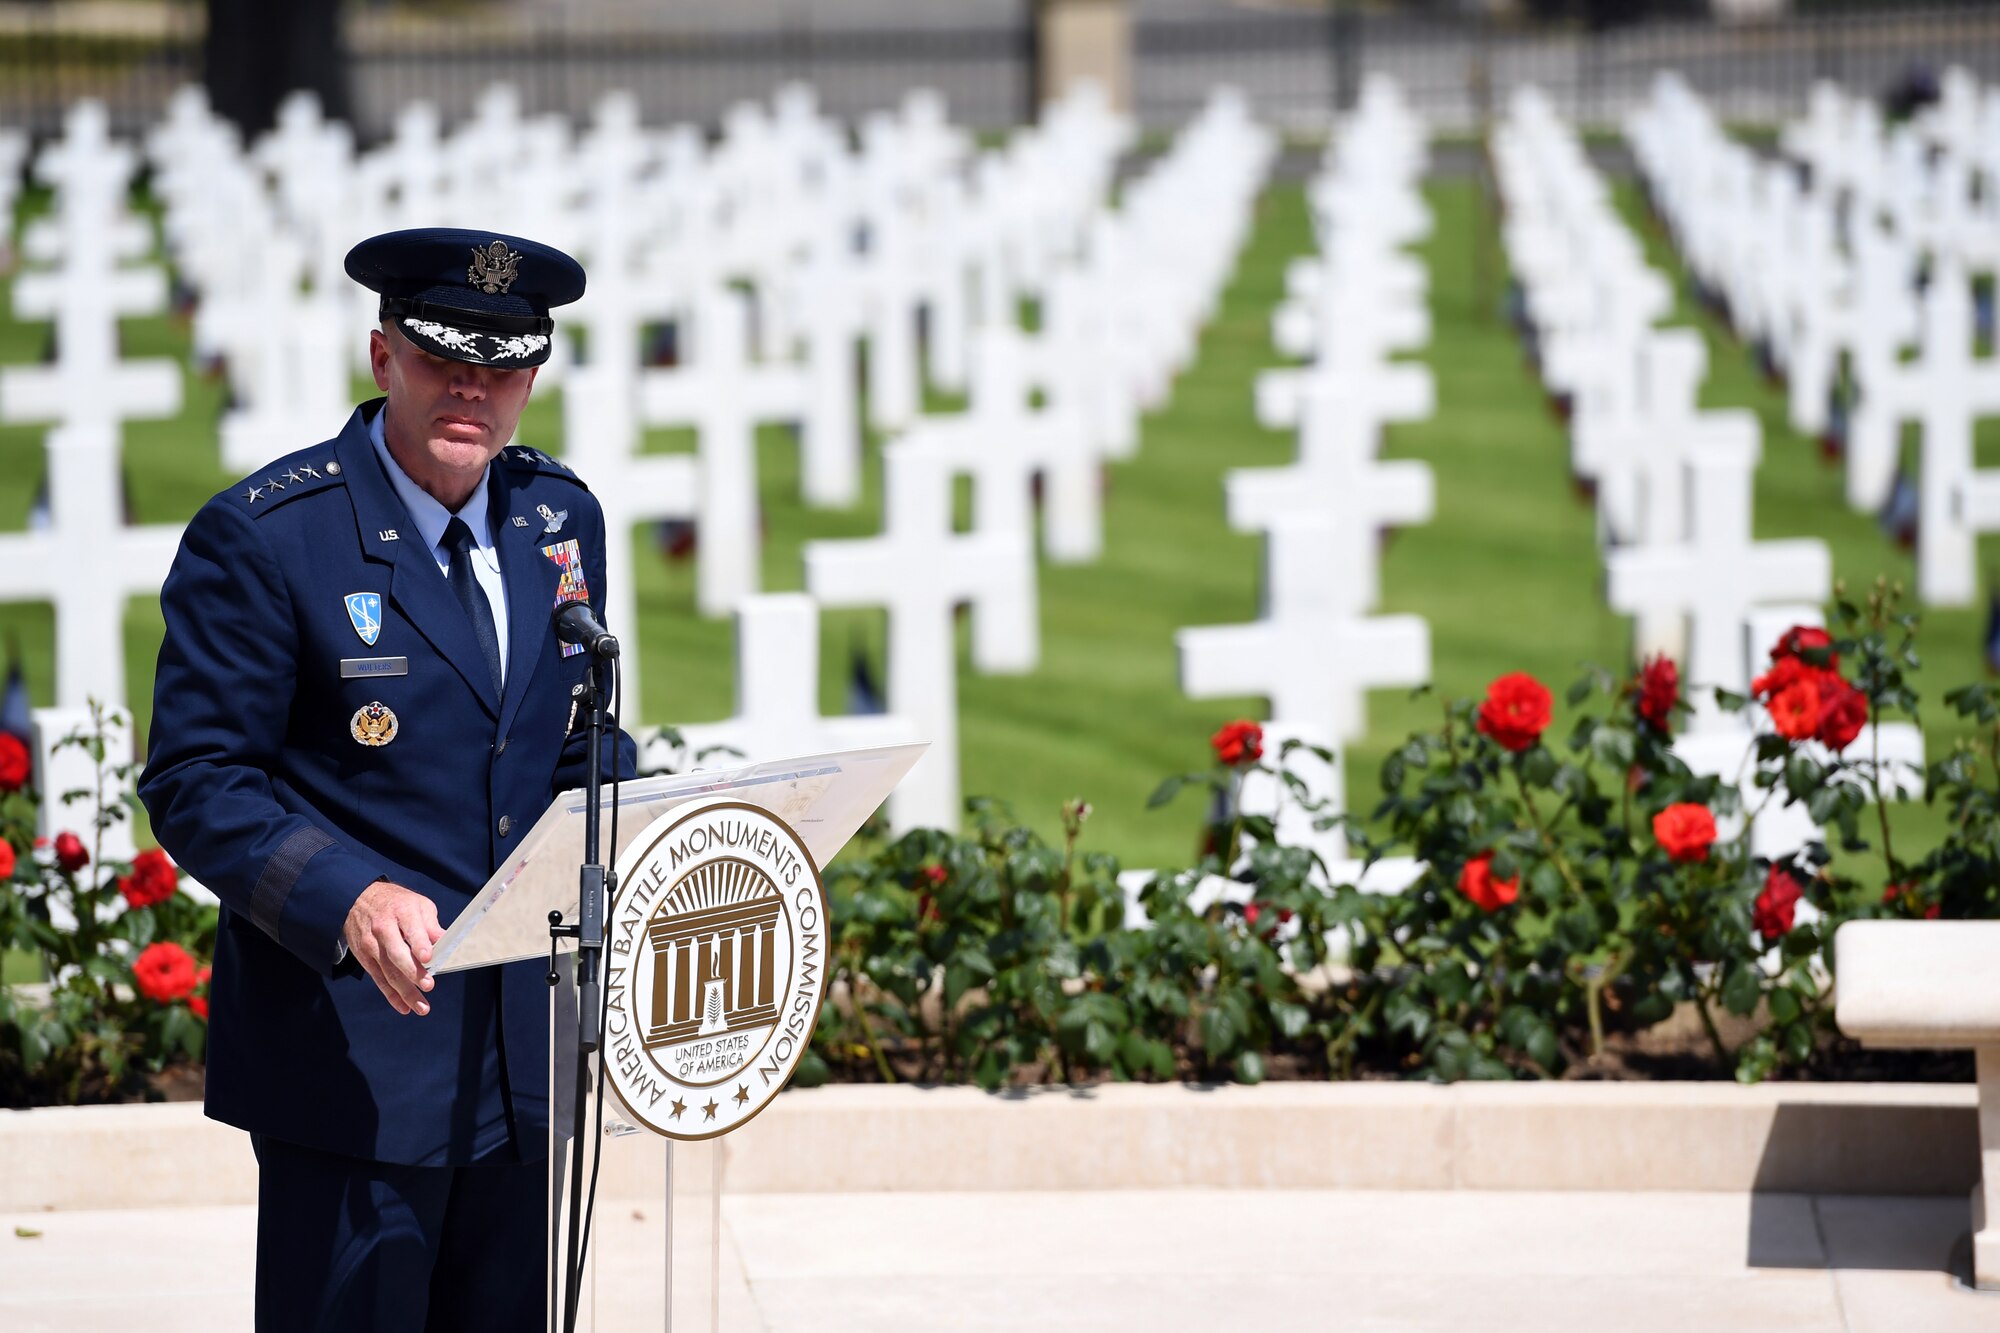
373	724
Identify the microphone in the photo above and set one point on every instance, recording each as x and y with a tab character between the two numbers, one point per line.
576	623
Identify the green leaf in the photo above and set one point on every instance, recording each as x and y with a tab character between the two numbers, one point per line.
1741	989
1784	1005
1218	1032
1289	1019
1141	1053
1250	1067
1166	791
1541	1046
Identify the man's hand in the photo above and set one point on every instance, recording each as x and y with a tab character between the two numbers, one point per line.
390	931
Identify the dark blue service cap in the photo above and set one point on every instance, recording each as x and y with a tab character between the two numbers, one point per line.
477	296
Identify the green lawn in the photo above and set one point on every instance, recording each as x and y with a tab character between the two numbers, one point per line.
1507	574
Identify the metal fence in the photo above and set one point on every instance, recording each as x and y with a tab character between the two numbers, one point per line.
1296	65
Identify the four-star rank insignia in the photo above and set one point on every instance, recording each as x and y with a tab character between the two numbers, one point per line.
493	268
373	724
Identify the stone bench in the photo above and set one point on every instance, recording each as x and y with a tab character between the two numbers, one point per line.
1932	985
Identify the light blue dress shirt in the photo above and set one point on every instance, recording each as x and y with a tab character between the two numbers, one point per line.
431	518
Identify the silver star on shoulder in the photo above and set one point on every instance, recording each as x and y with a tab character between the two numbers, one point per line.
274	483
310	471
255	491
293	476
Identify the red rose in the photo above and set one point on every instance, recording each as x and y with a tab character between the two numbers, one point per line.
1238	743
936	874
7	859
14	763
198	1002
1843	711
1784	672
1776	906
1685	831
164	972
71	854
1795	710
1911	901
1476	882
1254	912
1516	711
1803	639
1659	691
153	879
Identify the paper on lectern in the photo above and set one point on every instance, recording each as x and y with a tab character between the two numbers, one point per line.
824	797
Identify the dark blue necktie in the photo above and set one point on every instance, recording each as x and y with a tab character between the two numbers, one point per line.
458	540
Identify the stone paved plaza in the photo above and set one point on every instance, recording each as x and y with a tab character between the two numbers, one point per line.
1195	1260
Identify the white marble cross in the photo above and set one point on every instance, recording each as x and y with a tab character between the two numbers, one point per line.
724	396
1947	389
920	570
1717	574
1004	444
1310	658
777	697
87	562
1337	482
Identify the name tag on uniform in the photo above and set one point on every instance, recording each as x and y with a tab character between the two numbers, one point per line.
352	668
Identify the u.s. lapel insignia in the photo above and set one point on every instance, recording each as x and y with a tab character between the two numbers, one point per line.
364	610
520	522
572	586
552	519
373	724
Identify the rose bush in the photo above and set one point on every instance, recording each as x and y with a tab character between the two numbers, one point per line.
1573	880
118	948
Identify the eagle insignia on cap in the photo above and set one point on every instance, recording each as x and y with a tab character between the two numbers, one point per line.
494	268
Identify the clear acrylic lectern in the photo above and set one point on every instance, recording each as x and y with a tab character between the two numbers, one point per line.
653	1221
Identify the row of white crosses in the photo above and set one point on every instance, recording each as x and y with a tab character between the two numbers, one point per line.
1317	647
1686	566
86	269
834	245
919	568
1918	200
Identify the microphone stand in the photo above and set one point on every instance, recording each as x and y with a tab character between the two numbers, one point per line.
588	931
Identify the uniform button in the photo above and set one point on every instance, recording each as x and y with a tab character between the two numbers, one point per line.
505	824
501	748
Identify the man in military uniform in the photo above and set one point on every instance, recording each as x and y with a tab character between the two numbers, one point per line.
361	707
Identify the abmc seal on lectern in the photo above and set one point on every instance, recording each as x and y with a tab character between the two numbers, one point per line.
715	967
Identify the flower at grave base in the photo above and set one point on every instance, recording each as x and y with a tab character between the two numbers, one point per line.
1777	905
1237	743
71	854
14	763
1685	831
198	1002
1843	711
1516	711
1477	882
1659	688
7	859
1795	709
153	879
164	972
1253	912
1911	901
1803	641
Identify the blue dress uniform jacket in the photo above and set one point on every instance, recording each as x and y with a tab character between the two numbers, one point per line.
259	783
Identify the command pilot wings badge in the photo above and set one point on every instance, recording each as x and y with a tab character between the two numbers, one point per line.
364	610
552	519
